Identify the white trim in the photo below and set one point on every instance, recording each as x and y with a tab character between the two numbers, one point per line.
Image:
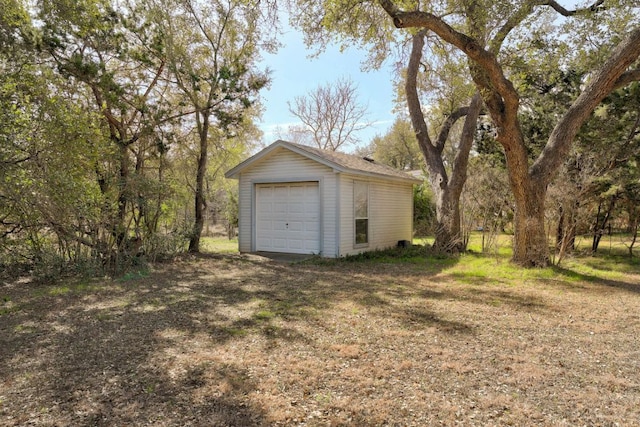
412	215
294	180
233	173
253	217
240	207
366	244
338	218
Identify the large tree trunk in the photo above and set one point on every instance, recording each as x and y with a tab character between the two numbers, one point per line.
530	245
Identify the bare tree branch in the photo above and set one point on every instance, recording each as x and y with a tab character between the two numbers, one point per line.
331	114
565	12
497	91
461	161
448	124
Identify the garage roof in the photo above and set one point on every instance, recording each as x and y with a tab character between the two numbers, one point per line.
340	162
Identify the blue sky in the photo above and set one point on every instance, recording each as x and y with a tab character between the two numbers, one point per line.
293	74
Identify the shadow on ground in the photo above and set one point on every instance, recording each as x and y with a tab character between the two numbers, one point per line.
151	349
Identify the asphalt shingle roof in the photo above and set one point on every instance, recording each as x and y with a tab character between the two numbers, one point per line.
353	162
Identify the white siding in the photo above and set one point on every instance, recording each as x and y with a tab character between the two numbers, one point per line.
283	165
390	214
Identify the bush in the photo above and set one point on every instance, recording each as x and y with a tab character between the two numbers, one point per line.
424	211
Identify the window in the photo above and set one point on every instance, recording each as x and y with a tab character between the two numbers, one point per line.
361	212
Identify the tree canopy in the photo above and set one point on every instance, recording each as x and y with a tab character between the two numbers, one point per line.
142	103
487	33
108	92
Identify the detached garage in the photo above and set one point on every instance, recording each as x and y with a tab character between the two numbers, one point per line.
299	199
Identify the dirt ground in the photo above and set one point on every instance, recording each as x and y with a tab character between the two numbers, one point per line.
239	340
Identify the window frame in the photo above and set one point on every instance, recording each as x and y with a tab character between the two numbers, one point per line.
357	218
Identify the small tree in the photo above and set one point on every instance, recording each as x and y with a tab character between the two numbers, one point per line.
567	207
424	210
331	116
212	48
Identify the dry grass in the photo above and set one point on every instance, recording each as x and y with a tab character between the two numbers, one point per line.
234	340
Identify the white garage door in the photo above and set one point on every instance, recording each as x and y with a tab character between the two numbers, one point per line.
288	217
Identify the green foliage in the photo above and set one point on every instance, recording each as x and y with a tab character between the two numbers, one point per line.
398	148
424	210
47	185
91	121
16	29
603	167
212	51
392	255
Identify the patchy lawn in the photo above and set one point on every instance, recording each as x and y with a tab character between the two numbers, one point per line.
235	340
